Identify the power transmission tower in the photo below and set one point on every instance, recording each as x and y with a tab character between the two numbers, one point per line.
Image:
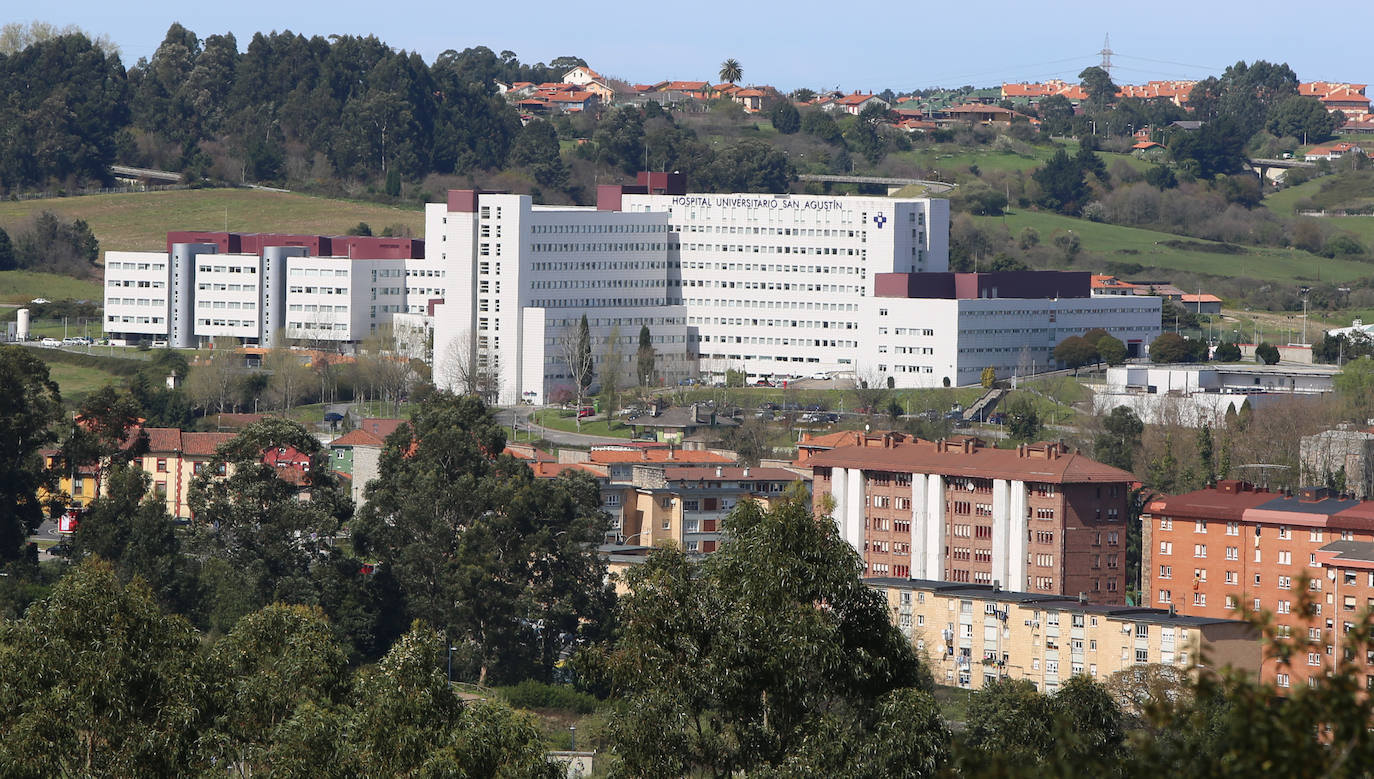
1107	54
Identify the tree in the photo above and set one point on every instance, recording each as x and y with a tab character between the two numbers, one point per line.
30	405
576	350
1056	112
276	667
214	383
1267	353
1023	421
645	369
1111	350
731	71
98	682
1075	352
7	260
267	528
764	623
289	377
503	562
1174	348
1229	352
785	117
1355	386
407	720
1161	177
1061	184
1009	724
989	377
1302	117
1116	445
1098	84
1216	147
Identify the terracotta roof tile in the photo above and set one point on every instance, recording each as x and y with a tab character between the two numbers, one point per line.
357	438
380	426
658	456
163	439
203	443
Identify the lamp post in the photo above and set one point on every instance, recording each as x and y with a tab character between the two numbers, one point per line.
451	650
621	541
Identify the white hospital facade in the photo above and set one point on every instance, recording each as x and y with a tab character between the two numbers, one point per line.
768	284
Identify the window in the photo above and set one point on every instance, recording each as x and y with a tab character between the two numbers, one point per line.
1166	572
1314	658
1284	607
1199	599
1285	558
1285	582
1232	553
1199	550
1165	596
1142	655
162	465
1166	547
1232	528
1200	526
1282	680
1285	532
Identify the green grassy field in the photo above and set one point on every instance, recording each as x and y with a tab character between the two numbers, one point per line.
140	221
1134	245
77	381
21	286
555	421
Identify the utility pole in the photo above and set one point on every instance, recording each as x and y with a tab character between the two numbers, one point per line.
1107	53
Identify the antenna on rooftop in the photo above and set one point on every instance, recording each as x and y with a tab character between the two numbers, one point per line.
1107	53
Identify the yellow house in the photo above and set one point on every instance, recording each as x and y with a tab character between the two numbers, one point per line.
79	487
972	634
173	460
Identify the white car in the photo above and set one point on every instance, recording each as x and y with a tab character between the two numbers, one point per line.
40	301
50	342
820	376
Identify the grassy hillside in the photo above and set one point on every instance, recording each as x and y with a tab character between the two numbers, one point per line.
1146	247
141	221
21	286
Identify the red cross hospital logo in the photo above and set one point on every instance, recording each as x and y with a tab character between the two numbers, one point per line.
880	220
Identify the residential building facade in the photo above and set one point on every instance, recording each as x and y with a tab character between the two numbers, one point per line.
1039	517
1222	551
974	634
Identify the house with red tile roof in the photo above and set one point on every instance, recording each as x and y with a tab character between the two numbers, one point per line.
855	103
1332	151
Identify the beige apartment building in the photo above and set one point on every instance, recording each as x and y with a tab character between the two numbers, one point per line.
973	634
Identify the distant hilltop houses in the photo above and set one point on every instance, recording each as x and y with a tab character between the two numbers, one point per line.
584	89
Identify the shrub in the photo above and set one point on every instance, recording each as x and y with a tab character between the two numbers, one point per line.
532	694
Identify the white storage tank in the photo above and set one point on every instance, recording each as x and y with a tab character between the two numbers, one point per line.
21	330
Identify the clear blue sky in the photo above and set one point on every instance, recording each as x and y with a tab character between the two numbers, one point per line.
901	45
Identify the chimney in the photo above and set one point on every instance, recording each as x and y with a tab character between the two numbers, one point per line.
1172	610
643	454
746	472
718	472
1082	597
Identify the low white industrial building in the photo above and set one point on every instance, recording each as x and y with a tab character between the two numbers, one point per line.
1203	394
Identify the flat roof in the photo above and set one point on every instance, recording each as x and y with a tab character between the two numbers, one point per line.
1049	602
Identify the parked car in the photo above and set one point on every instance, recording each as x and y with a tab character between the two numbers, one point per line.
647	435
50	342
763	383
820	376
585	412
997	418
40	301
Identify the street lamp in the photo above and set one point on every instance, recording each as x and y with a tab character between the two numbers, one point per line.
451	650
621	541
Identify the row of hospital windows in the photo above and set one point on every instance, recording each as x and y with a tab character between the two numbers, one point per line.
602	302
760	341
248	304
772	268
226	269
598	228
583	265
593	247
137	284
791	305
826	251
221	287
109	266
139	320
597	283
135	302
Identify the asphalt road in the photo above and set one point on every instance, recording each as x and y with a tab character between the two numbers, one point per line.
558	437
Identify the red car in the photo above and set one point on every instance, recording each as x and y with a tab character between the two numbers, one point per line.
585	412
